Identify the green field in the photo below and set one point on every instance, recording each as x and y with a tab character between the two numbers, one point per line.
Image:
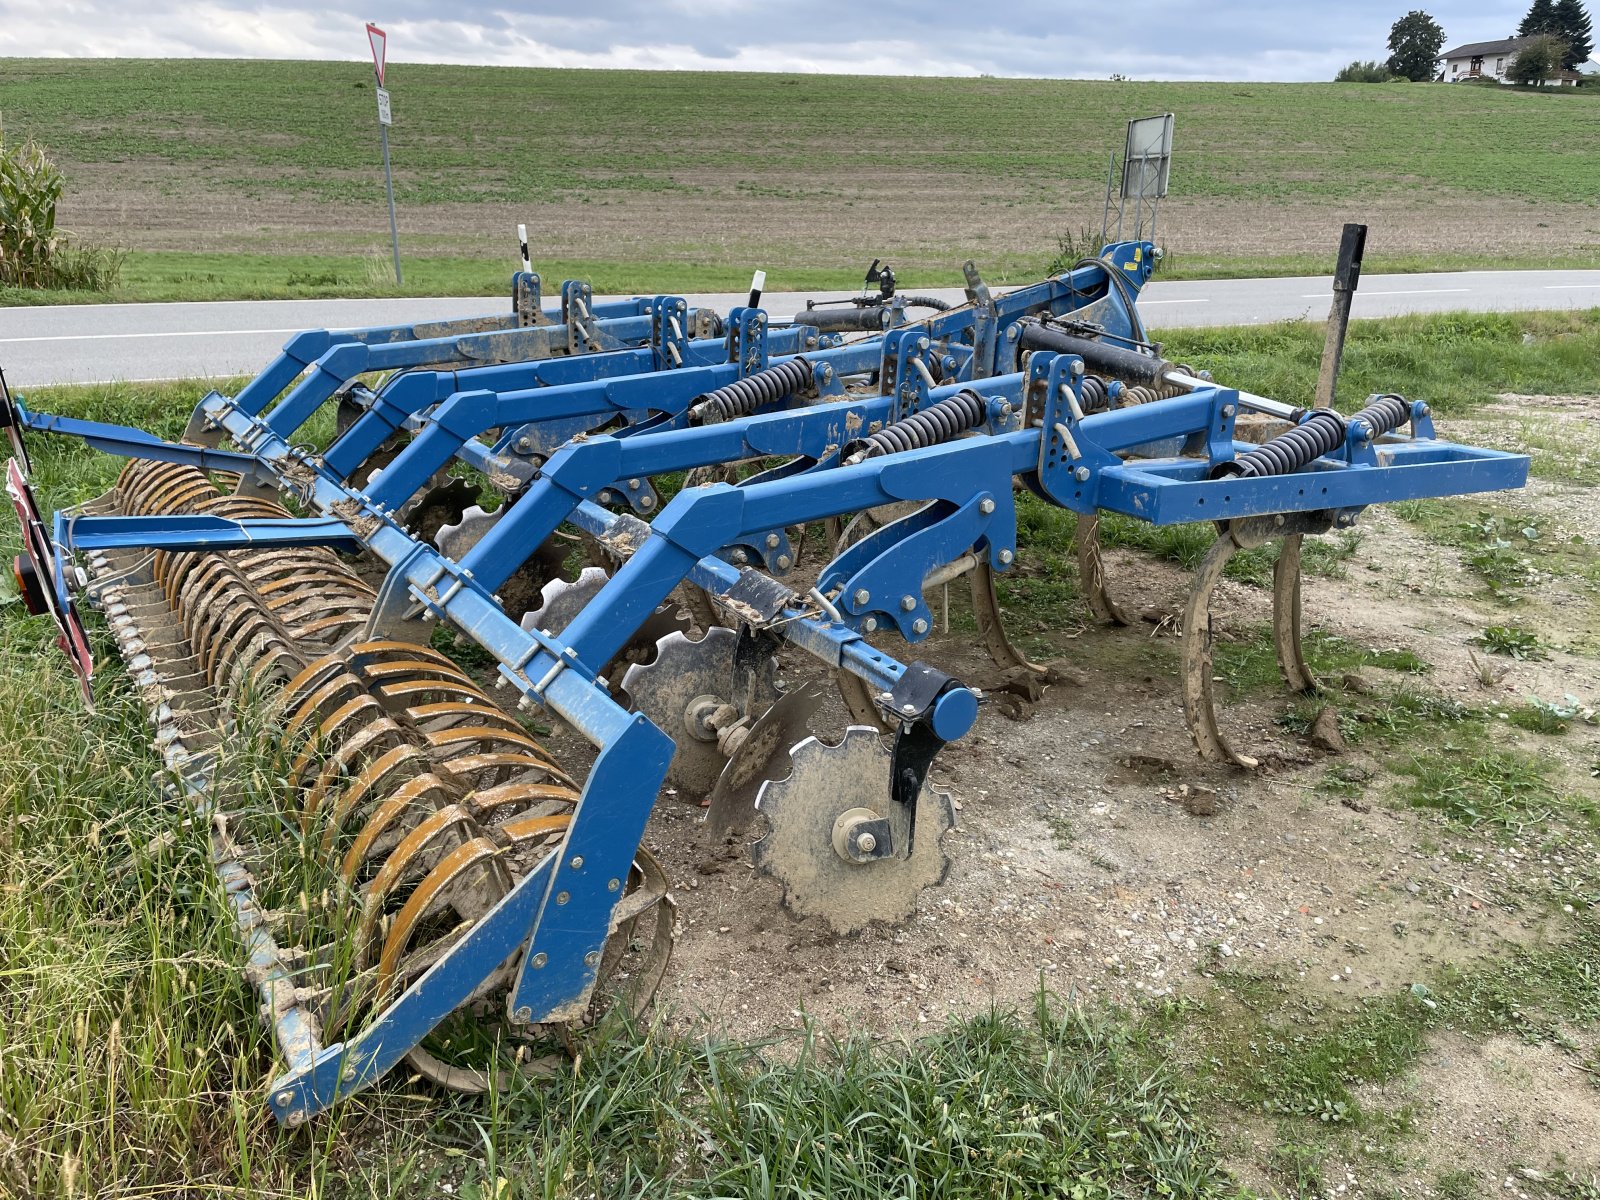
688	180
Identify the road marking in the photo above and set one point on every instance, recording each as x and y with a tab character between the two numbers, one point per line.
1407	292
107	337
1562	287
1195	300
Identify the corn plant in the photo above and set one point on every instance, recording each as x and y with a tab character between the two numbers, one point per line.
33	252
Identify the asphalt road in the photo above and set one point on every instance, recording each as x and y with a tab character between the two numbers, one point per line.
102	342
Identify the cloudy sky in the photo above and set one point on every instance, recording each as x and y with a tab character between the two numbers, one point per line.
1145	39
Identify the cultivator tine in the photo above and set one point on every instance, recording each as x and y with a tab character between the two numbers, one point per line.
1199	706
1286	617
1092	572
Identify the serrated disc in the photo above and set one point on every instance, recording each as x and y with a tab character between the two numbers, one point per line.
561	600
682	671
798	852
763	756
456	538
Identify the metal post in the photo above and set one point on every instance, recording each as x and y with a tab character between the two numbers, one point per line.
388	183
1345	280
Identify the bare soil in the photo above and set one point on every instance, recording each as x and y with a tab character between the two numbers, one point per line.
926	219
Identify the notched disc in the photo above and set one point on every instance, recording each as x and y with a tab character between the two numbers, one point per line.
798	849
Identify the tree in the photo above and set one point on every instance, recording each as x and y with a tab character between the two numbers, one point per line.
1572	26
1414	44
1541	18
1364	72
1538	59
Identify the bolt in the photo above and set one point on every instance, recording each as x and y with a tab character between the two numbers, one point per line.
919	626
869	624
866	843
772	541
826	374
986	507
1011	334
861	597
1005	410
563	897
1077	368
577	862
592	959
647	502
739	556
524	1013
1278	519
284	1099
1006	556
1228	410
348	1073
783	562
907	603
540	959
1081	474
908	708
524	445
922	343
633	485
613	884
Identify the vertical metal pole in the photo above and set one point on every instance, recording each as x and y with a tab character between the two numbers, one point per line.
1348	275
1105	213
388	183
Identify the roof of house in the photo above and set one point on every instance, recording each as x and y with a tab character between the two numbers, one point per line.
1479	49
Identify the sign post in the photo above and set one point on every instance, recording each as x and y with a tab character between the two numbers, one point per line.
380	45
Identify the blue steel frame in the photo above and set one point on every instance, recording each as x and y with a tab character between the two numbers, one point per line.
1034	427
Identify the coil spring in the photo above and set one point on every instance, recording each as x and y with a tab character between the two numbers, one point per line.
1094	394
937	423
1384	415
744	396
932	302
1143	393
1320	433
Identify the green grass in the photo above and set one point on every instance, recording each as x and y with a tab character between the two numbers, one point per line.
692	155
1454	361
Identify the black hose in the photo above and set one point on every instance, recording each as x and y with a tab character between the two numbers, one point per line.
743	396
1320	433
932	302
937	423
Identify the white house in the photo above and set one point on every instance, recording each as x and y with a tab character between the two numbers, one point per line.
1490	60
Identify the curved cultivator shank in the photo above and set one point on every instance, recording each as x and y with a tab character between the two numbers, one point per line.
693	506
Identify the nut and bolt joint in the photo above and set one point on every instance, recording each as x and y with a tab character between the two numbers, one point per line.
919	626
540	959
861	597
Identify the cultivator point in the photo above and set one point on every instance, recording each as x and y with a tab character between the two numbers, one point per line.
692	507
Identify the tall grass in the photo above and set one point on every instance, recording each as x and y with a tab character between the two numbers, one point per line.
34	253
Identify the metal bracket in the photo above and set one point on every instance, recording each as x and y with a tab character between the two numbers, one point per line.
747	339
985	321
527	300
669	332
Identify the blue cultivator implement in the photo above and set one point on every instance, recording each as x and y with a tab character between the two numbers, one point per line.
687	496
